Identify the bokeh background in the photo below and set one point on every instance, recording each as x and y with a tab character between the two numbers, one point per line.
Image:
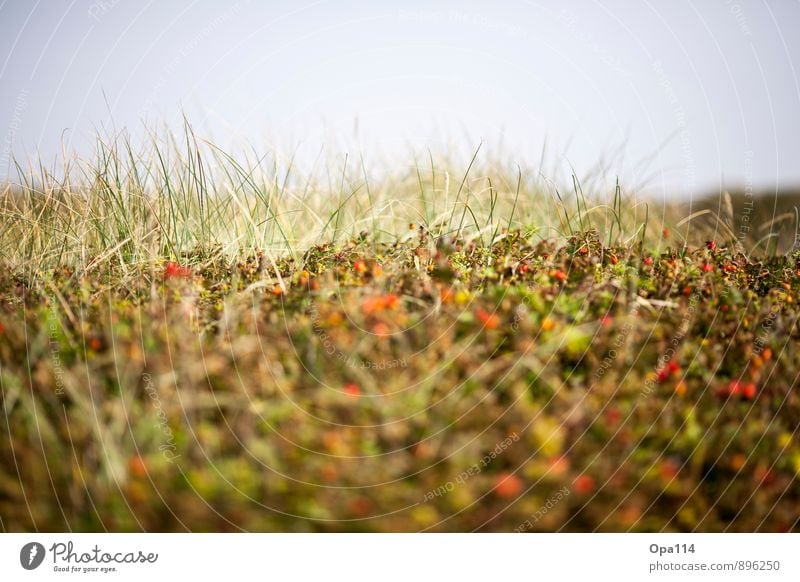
190	343
679	99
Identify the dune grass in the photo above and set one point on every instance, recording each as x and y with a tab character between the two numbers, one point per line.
193	340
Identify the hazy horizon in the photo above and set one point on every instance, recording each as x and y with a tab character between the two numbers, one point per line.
685	98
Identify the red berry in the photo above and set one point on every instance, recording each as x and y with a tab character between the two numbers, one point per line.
733	388
711	245
708	267
764	475
584	484
352	390
749	391
390	301
669	469
648	261
174	270
613	415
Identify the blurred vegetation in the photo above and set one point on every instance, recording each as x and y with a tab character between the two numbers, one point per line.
208	345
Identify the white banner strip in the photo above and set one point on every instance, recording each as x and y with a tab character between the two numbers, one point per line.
400	557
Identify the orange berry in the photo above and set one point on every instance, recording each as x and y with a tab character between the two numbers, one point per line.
374	304
371	305
137	466
334	319
508	485
737	461
422	450
360	506
329	473
489	320
447	295
332	440
767	354
360	267
352	390
548	324
680	388
381	329
559	465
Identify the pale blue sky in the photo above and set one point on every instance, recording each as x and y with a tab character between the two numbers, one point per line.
715	81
